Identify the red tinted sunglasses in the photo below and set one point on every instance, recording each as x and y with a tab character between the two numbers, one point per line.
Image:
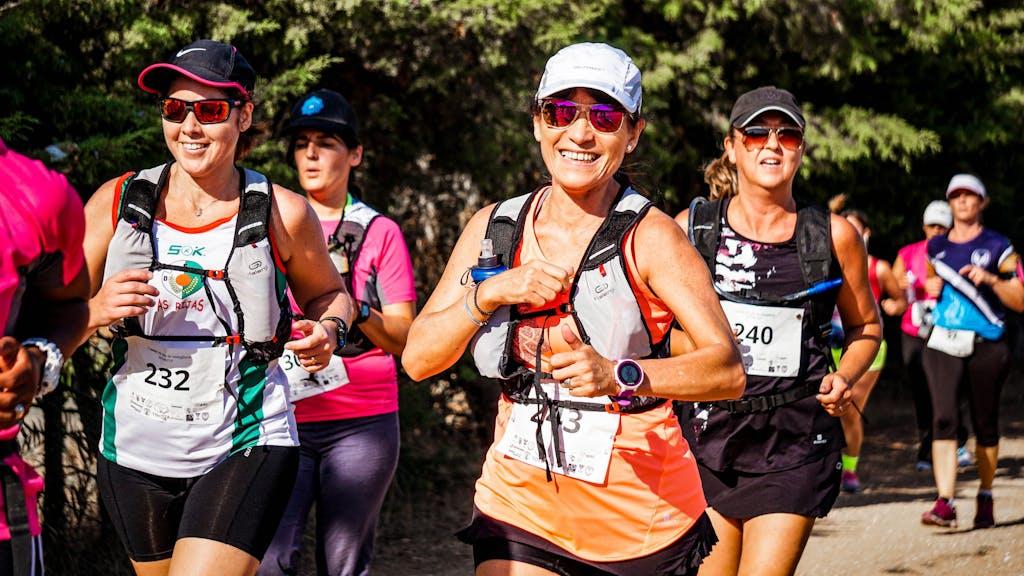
756	137
606	118
210	111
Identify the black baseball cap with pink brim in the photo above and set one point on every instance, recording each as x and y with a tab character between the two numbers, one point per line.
206	61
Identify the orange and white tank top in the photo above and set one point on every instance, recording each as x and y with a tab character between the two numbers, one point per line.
652	493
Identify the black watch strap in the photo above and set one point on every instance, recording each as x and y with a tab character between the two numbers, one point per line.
341	333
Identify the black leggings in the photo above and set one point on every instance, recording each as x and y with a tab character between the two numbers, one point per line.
912	347
986	370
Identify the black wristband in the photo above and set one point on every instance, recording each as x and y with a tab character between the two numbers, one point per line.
341	333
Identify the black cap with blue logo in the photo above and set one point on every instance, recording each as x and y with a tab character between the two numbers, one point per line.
327	111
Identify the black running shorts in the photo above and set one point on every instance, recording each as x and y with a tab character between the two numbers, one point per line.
239	502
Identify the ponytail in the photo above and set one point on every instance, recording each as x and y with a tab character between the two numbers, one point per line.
720	176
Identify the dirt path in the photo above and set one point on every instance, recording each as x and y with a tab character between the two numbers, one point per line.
876	532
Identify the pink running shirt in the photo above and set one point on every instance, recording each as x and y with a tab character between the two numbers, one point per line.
42	226
915	259
373	376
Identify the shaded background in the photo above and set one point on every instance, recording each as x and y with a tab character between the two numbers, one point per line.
899	95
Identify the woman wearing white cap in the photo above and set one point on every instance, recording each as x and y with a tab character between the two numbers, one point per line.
199	446
770	462
589	472
911	270
974	277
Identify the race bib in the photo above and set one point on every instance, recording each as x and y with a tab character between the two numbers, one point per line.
586	437
303	384
959	343
769	337
183	385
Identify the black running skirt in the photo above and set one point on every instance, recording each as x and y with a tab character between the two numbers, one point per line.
808	490
496	540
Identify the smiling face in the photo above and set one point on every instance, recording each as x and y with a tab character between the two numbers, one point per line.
771	167
203	149
324	163
578	157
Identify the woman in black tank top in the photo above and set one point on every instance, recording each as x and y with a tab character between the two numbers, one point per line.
769	463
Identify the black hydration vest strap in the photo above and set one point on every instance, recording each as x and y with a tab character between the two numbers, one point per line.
814	246
348	237
767	402
17	513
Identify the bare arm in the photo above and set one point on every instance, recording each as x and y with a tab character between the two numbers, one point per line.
856	304
389	328
440	334
896	303
713	371
303	251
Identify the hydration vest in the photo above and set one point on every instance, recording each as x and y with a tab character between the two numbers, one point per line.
813	243
344	246
602	302
263	314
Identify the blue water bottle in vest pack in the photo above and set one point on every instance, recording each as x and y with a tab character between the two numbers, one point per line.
489	264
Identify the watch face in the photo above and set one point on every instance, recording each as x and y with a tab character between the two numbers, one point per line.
364	310
629	373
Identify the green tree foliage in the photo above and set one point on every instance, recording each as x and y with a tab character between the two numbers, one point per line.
899	95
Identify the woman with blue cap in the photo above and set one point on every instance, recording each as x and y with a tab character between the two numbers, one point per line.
347	414
589	473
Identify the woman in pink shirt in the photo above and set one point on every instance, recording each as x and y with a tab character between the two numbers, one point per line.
348	413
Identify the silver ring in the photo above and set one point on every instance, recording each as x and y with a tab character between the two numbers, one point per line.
19	410
568	383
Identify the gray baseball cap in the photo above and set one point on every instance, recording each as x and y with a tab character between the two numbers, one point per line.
752	104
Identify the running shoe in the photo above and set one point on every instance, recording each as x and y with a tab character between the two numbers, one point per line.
964	457
850	483
983	517
923	466
941	514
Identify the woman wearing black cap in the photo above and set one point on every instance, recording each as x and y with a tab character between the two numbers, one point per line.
199	446
769	462
348	431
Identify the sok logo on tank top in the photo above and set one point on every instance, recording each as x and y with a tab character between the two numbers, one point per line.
182	284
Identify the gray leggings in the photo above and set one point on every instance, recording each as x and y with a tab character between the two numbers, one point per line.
345	466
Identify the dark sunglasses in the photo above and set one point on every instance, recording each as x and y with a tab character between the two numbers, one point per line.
210	111
606	118
756	137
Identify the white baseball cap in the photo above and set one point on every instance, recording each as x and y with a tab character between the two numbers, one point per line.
596	66
937	212
965	182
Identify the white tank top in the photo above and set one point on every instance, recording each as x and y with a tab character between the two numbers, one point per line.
181	407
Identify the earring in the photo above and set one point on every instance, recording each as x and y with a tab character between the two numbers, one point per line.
629	148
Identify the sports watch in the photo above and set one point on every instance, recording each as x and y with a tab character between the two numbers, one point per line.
629	375
363	312
49	378
340	333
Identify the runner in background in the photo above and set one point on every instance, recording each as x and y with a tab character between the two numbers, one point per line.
770	462
589	472
347	413
973	275
191	262
44	286
911	270
893	302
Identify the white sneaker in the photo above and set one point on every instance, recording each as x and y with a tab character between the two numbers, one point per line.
963	457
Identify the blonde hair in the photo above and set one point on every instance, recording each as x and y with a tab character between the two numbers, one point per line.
721	177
